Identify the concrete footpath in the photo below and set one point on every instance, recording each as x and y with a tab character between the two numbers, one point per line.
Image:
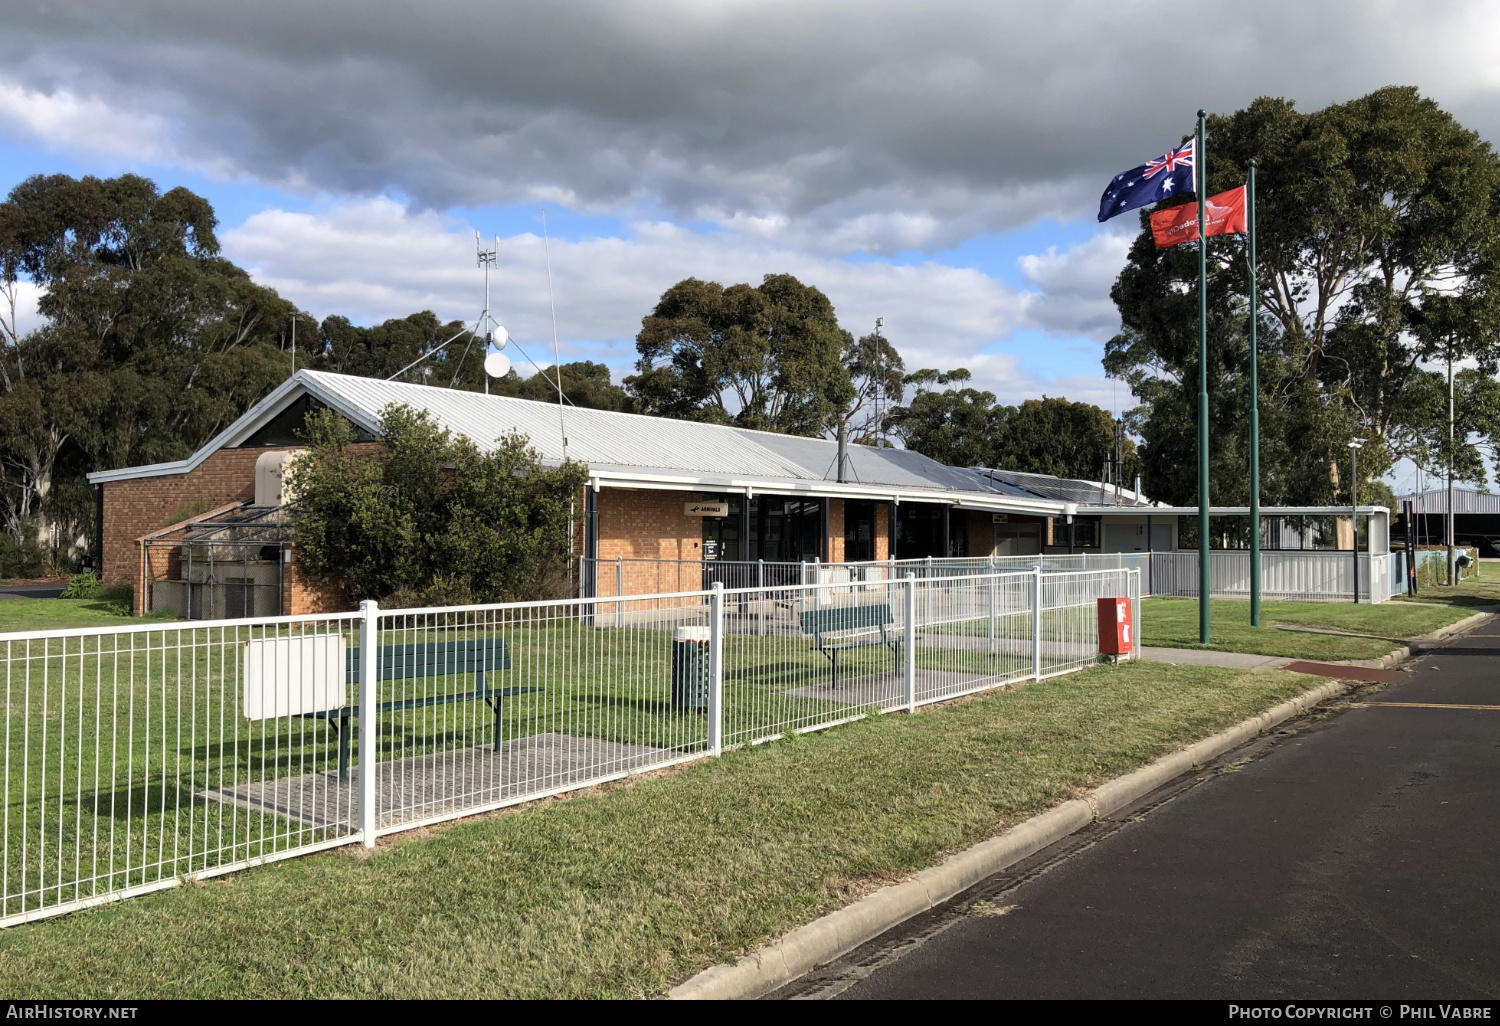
1246	661
1354	856
1207	657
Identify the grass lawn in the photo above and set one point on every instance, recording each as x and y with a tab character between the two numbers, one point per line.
626	890
1483	589
114	739
1173	623
52	614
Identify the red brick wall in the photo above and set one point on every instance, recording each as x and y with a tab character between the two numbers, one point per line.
299	595
638	524
141	506
138	507
835	552
882	530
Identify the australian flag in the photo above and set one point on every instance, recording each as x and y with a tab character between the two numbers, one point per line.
1154	180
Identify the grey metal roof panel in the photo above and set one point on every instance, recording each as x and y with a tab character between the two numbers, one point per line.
867	463
1465	500
594	436
605	438
1049	487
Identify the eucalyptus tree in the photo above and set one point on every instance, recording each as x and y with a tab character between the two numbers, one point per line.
1379	222
150	344
965	427
767	356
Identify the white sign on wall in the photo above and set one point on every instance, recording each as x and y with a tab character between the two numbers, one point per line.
1001	518
706	509
291	676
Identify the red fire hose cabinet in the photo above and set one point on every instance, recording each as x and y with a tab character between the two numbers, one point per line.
1114	626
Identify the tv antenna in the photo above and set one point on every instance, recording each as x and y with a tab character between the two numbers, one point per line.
496	364
879	384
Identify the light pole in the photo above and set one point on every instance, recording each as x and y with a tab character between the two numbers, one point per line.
1450	523
1354	447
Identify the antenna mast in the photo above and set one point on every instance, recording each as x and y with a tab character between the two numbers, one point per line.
879	384
486	259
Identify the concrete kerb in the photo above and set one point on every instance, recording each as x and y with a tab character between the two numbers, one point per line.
825	939
1418	644
1214	657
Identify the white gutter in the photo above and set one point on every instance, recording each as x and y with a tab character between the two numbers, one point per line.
687	482
1228	511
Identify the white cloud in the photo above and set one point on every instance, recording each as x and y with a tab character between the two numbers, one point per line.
375	259
27	319
880	127
63	120
1073	286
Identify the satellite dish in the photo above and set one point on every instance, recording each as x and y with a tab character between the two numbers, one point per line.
497	365
498	336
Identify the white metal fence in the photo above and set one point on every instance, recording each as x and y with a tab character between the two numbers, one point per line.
1285	574
1316	576
602	578
140	756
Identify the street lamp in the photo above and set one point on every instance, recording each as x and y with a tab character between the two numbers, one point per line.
1354	447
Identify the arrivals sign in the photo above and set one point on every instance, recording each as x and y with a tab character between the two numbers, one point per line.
706	509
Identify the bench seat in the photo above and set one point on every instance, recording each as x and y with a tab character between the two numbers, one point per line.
844	627
481	657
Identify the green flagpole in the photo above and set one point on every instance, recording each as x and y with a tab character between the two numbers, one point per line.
1200	183
1254	410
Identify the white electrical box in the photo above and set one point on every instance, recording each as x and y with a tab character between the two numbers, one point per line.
292	676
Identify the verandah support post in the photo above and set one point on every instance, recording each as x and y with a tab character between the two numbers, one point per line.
909	646
716	668
1036	622
1254	408
1200	186
1149	550
369	648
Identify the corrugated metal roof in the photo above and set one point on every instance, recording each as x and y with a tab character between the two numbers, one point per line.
1465	500
657	452
625	440
594	436
1062	488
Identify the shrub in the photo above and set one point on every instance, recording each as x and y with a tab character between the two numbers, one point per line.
22	558
430	514
82	586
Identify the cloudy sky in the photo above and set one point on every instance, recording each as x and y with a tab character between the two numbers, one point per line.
937	164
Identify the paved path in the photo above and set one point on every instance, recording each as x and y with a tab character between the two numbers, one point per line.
1206	657
1354	856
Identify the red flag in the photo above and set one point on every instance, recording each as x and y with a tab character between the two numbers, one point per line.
1225	214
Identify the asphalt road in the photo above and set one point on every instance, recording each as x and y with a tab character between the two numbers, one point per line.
30	591
1352	856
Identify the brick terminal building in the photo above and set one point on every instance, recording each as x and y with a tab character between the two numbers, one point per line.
202	536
